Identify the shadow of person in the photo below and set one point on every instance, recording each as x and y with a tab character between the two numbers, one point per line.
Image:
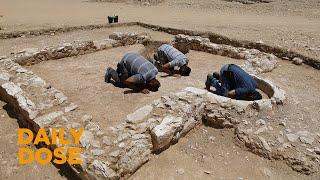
130	91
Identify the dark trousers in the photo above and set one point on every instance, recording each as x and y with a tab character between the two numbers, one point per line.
119	76
161	59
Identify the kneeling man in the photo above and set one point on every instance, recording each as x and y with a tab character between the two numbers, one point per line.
135	72
169	58
233	82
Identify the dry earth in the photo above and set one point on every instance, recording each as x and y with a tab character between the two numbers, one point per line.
205	153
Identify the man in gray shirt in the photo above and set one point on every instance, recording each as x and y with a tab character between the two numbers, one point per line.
135	72
169	58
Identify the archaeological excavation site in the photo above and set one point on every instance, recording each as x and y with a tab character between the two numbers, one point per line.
56	80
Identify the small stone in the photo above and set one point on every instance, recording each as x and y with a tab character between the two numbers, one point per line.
104	169
306	137
86	119
76	125
180	171
211	138
261	122
106	141
139	114
100	133
264	143
282	123
280	140
91	126
86	139
97	152
48	118
261	130
96	144
71	107
292	137
207	172
297	61
115	154
266	172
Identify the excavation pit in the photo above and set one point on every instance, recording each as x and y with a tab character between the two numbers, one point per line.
129	140
82	80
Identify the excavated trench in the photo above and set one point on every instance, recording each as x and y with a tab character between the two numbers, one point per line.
120	150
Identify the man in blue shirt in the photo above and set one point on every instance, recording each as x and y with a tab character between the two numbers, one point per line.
169	57
135	72
233	82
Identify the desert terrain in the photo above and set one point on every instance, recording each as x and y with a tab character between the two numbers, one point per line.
205	153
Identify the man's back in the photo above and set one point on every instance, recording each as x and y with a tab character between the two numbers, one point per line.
174	56
241	81
136	64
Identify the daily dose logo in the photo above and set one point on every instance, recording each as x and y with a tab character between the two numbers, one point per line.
44	155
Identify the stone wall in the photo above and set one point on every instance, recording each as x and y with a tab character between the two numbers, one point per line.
32	56
121	150
220	39
256	62
214	38
58	30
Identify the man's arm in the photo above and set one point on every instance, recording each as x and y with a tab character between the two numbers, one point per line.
221	89
240	93
133	83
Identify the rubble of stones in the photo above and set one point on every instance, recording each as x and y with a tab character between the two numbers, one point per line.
256	62
119	151
32	56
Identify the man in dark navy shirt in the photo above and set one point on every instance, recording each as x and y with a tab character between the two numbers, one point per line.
233	82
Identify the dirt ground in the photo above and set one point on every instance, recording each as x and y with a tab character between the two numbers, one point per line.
82	79
205	153
293	24
14	45
9	166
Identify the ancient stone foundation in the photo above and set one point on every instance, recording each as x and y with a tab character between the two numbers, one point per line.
119	151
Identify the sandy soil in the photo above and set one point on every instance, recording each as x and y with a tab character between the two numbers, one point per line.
208	153
82	79
293	24
14	45
9	166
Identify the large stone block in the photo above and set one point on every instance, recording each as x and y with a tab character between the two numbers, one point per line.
139	114
164	133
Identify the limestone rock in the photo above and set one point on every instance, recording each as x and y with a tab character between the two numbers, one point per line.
139	114
297	61
264	144
292	137
104	44
106	141
101	168
71	107
196	91
97	152
48	118
163	134
261	63
137	153
306	137
86	139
